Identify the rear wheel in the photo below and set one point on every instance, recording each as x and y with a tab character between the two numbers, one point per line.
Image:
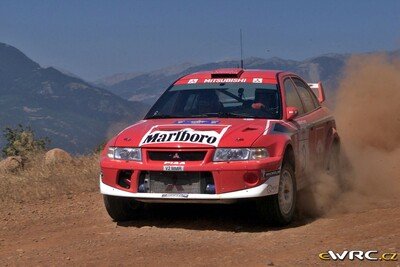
121	208
279	209
333	167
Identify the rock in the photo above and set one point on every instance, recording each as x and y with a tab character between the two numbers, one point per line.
11	164
269	263
56	156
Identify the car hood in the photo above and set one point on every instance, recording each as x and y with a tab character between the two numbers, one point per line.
192	133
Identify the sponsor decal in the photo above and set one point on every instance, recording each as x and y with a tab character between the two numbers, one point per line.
197	122
225	80
272	189
192	81
266	174
174	163
176	195
257	80
370	255
186	135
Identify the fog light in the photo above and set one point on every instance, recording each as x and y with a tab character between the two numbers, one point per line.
251	178
142	188
210	189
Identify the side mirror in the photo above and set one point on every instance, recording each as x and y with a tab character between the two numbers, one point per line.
320	89
291	113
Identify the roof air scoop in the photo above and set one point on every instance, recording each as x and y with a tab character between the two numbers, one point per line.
227	73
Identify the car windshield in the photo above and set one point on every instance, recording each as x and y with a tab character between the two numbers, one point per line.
231	100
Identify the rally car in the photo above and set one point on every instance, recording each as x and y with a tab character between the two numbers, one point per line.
222	136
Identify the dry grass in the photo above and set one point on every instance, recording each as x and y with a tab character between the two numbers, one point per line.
38	181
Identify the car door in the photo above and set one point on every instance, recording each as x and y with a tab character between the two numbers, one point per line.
300	140
315	123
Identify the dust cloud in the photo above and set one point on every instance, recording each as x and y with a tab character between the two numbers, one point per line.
367	114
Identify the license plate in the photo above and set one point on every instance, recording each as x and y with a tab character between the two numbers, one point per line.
173	168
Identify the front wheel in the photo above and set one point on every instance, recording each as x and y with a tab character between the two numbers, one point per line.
121	208
279	209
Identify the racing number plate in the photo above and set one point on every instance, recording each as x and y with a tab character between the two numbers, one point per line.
171	168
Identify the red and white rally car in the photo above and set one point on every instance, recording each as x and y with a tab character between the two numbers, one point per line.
218	137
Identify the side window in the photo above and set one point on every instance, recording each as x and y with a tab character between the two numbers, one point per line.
314	96
306	95
292	98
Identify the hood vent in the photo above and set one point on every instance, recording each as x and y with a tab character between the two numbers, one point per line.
227	73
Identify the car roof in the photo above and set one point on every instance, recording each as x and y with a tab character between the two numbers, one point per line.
230	75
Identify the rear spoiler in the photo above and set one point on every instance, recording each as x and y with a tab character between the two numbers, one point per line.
318	89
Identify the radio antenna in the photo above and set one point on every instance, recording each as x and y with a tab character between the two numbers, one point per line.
241	50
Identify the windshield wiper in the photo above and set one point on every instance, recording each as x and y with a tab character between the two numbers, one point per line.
223	115
205	115
161	116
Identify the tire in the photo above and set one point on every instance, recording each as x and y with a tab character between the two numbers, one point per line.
333	166
279	209
121	208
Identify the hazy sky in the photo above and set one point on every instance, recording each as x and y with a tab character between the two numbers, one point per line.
99	38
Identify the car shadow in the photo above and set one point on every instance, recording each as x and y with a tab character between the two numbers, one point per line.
238	217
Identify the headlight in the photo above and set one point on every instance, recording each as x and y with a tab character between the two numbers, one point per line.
234	154
125	153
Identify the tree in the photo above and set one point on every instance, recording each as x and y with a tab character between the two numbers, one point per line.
99	148
22	141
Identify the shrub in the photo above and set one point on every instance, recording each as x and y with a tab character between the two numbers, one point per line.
21	141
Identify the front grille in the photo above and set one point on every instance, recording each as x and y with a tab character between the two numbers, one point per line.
176	182
177	156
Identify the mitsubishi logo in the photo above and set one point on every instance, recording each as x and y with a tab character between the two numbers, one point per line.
176	156
192	81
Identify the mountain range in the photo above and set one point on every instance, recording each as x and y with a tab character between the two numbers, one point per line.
146	87
74	114
78	115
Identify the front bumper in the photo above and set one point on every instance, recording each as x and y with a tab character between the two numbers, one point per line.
270	187
230	178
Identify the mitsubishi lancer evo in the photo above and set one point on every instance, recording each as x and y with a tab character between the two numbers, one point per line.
219	137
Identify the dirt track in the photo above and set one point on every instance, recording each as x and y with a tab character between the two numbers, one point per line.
76	230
